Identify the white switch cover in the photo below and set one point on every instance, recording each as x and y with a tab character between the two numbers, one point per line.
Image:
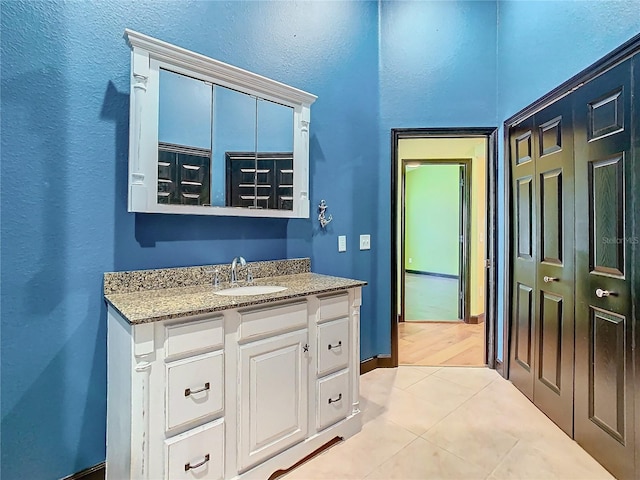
342	243
365	242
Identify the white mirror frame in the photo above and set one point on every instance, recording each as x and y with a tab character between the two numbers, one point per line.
147	56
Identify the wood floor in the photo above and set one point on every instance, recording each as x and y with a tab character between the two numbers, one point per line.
434	344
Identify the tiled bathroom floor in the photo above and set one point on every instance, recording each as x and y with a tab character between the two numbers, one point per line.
450	422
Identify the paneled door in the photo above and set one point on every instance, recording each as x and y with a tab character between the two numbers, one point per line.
554	293
523	253
604	166
542	339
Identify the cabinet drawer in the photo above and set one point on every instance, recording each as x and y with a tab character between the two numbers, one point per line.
281	318
333	399
194	388
193	336
333	346
198	453
335	306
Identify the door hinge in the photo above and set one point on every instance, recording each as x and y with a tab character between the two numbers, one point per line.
487	263
462	183
461	238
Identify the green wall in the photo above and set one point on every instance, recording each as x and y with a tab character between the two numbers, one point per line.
432	217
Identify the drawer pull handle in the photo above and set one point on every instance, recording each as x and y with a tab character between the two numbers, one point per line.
188	466
188	391
338	345
331	400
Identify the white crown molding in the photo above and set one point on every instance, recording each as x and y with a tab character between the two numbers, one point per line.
194	61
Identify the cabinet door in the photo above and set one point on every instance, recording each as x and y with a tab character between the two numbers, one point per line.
272	396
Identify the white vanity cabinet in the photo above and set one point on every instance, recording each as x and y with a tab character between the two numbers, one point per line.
239	393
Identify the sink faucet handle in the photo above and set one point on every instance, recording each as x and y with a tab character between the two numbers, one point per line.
216	276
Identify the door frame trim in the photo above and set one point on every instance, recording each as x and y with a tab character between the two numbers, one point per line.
491	273
465	249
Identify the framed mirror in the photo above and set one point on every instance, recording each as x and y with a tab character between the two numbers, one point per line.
207	138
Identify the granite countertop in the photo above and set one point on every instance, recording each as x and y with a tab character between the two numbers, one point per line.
164	303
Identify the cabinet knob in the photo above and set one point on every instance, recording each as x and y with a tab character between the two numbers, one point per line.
549	279
188	466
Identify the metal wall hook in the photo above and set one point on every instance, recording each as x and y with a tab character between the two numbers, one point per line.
321	217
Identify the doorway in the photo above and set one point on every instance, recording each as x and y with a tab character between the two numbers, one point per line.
436	247
443	246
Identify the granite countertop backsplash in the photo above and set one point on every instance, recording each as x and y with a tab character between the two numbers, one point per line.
151	295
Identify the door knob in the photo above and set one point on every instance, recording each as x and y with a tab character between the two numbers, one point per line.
603	293
549	279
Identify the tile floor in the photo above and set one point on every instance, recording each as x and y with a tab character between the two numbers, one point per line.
453	423
430	298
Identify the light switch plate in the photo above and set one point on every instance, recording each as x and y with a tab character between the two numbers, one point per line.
342	243
365	242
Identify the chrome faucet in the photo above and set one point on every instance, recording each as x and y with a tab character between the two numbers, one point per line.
234	269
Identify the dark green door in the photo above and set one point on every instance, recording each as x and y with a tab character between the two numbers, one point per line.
605	247
554	324
523	253
542	345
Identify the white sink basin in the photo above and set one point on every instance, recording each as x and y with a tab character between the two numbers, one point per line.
250	290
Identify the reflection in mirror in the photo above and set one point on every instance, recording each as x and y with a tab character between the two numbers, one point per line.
264	178
275	156
184	140
234	129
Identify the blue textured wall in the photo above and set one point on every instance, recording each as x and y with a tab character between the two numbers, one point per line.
65	94
65	107
541	45
437	69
